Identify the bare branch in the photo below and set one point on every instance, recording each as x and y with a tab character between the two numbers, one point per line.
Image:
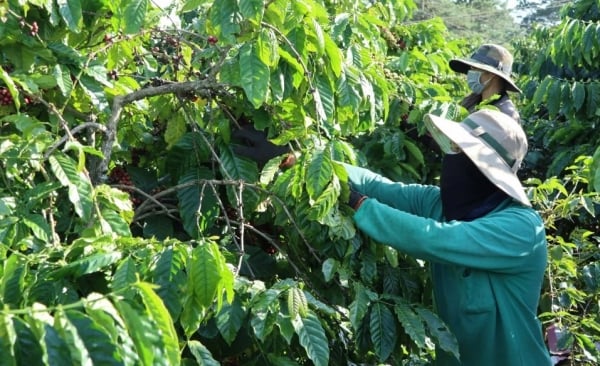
205	88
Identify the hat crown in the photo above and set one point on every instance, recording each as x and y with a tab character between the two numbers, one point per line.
504	135
495	56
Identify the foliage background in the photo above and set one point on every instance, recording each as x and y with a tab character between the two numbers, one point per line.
132	232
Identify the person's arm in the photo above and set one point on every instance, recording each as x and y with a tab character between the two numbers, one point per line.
418	199
501	241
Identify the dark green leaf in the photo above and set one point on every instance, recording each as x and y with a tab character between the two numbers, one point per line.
312	338
411	323
592	100
383	330
70	11
201	354
8	337
197	201
13	281
28	350
554	97
252	9
443	337
577	95
92	263
230	319
169	275
100	348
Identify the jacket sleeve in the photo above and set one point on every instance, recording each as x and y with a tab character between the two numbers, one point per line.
500	241
421	200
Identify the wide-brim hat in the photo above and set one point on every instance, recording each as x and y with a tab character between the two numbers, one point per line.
493	141
491	58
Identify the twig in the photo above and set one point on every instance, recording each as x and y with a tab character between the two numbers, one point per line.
74	131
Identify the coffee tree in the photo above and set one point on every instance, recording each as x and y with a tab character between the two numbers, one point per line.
560	109
134	233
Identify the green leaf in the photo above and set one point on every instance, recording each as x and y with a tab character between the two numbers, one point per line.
319	173
296	303
360	305
540	92
203	274
125	277
78	184
101	349
411	323
262	323
29	350
40	228
326	96
198	202
90	264
252	9
144	334
578	95
553	99
169	275
202	354
224	18
324	204
255	75
593	99
267	47
316	36
13	281
440	332
176	129
383	330
329	268
591	276
95	91
135	13
159	314
312	338
230	319
70	11
334	56
8	338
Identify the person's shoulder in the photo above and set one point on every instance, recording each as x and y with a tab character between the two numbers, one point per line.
521	212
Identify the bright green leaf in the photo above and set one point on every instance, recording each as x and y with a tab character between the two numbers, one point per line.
135	13
255	75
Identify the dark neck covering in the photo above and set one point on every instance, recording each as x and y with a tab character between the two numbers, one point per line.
466	193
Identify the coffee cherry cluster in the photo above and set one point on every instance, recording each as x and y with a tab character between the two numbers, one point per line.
5	97
113	75
120	176
212	40
33	28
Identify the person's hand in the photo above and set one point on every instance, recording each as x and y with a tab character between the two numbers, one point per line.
356	198
255	145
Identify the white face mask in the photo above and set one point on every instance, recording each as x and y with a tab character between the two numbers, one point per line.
474	81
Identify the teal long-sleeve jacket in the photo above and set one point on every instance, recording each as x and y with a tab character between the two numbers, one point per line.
487	273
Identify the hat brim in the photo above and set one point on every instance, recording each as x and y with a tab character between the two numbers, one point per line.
487	160
463	65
